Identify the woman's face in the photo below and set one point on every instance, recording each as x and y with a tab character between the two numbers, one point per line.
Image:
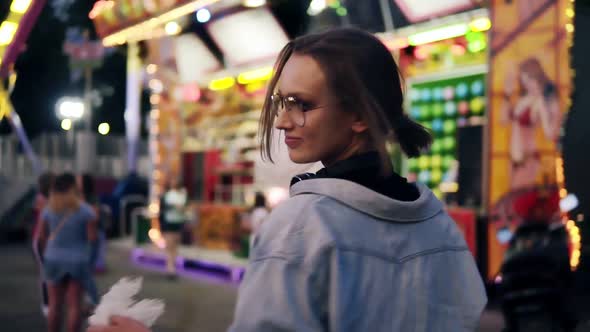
329	133
530	84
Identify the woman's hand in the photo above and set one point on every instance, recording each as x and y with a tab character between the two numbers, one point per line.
120	324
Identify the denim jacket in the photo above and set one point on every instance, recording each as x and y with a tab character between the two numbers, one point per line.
338	256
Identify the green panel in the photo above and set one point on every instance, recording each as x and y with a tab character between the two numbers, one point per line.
143	228
443	106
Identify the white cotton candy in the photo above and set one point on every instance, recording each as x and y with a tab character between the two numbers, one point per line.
146	311
120	301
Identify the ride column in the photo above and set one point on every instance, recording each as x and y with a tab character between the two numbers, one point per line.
132	107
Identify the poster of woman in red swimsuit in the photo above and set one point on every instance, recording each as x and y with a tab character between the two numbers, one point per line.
529	92
530	103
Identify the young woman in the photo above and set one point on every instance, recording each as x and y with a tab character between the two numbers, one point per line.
356	247
537	106
67	226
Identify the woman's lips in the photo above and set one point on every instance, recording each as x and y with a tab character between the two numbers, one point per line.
293	142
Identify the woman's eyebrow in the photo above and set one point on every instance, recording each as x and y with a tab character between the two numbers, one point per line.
297	94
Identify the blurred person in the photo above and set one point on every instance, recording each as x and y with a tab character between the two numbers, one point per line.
67	227
258	213
251	223
44	184
172	221
536	269
86	183
356	247
537	106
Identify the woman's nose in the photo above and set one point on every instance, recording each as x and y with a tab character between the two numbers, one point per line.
284	122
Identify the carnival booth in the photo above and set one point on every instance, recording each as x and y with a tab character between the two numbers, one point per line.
491	156
206	65
475	77
444	62
530	91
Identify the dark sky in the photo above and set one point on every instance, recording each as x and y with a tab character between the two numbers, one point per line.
44	74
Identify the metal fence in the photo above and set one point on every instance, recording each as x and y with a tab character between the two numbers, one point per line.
57	152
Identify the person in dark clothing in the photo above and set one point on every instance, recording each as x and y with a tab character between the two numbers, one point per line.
86	182
172	221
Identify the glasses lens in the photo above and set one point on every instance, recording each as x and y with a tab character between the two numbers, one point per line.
295	111
275	104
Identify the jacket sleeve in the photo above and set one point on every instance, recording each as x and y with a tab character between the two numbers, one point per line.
285	281
278	295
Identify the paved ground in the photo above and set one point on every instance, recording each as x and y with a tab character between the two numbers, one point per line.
201	305
192	305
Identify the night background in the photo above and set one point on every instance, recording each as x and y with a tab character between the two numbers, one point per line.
44	73
126	195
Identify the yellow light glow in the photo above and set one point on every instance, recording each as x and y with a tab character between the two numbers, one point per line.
20	6
222	83
66	124
562	192
145	29
480	24
172	28
261	74
256	86
104	128
151	68
156	85
254	3
449	187
7	32
154	208
575	238
155	99
443	33
396	44
560	177
569	27
559	170
99	7
570	12
155	114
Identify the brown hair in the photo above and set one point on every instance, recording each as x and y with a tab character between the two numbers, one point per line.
533	68
61	185
360	71
45	182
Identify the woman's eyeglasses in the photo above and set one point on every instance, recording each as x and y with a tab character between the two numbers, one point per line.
294	107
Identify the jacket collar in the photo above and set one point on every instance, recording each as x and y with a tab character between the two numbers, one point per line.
370	202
